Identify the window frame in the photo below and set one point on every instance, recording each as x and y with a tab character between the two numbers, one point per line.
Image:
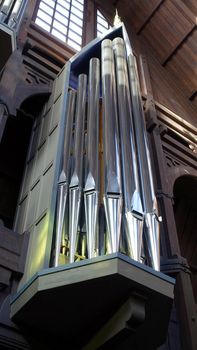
67	38
88	27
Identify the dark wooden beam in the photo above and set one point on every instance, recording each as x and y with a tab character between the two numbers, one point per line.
89	27
150	15
173	149
183	132
46	40
178	45
16	87
176	118
193	95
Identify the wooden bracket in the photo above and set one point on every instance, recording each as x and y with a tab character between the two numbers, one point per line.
122	324
175	265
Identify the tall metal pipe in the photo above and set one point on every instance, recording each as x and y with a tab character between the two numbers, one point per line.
75	187
91	189
133	212
17	13
5	9
64	175
146	176
112	170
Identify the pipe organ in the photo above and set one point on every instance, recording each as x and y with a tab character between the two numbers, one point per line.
106	164
101	220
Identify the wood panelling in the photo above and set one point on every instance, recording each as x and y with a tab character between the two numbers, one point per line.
185	61
176	122
168	28
35	205
169	92
165	31
140	11
192	5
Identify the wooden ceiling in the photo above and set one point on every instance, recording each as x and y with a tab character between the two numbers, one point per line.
169	29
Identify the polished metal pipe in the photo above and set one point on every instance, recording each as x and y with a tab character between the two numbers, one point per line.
64	175
133	212
14	14
112	170
146	176
5	9
91	189
75	187
17	13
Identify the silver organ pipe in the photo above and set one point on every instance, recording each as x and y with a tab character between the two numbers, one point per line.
146	176
16	14
91	189
76	183
5	9
11	12
133	212
129	198
64	175
112	172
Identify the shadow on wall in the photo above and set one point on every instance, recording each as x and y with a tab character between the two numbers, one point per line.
13	151
185	210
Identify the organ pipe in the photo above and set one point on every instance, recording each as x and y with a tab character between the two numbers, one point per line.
91	189
64	175
146	176
133	212
76	183
130	204
112	170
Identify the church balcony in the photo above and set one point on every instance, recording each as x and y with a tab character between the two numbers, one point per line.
107	300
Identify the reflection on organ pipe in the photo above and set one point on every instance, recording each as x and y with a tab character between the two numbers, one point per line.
5	8
112	171
63	181
133	212
128	178
148	194
91	189
11	12
75	187
16	13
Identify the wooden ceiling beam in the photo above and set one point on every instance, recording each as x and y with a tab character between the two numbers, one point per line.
46	42
149	16
178	45
176	118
